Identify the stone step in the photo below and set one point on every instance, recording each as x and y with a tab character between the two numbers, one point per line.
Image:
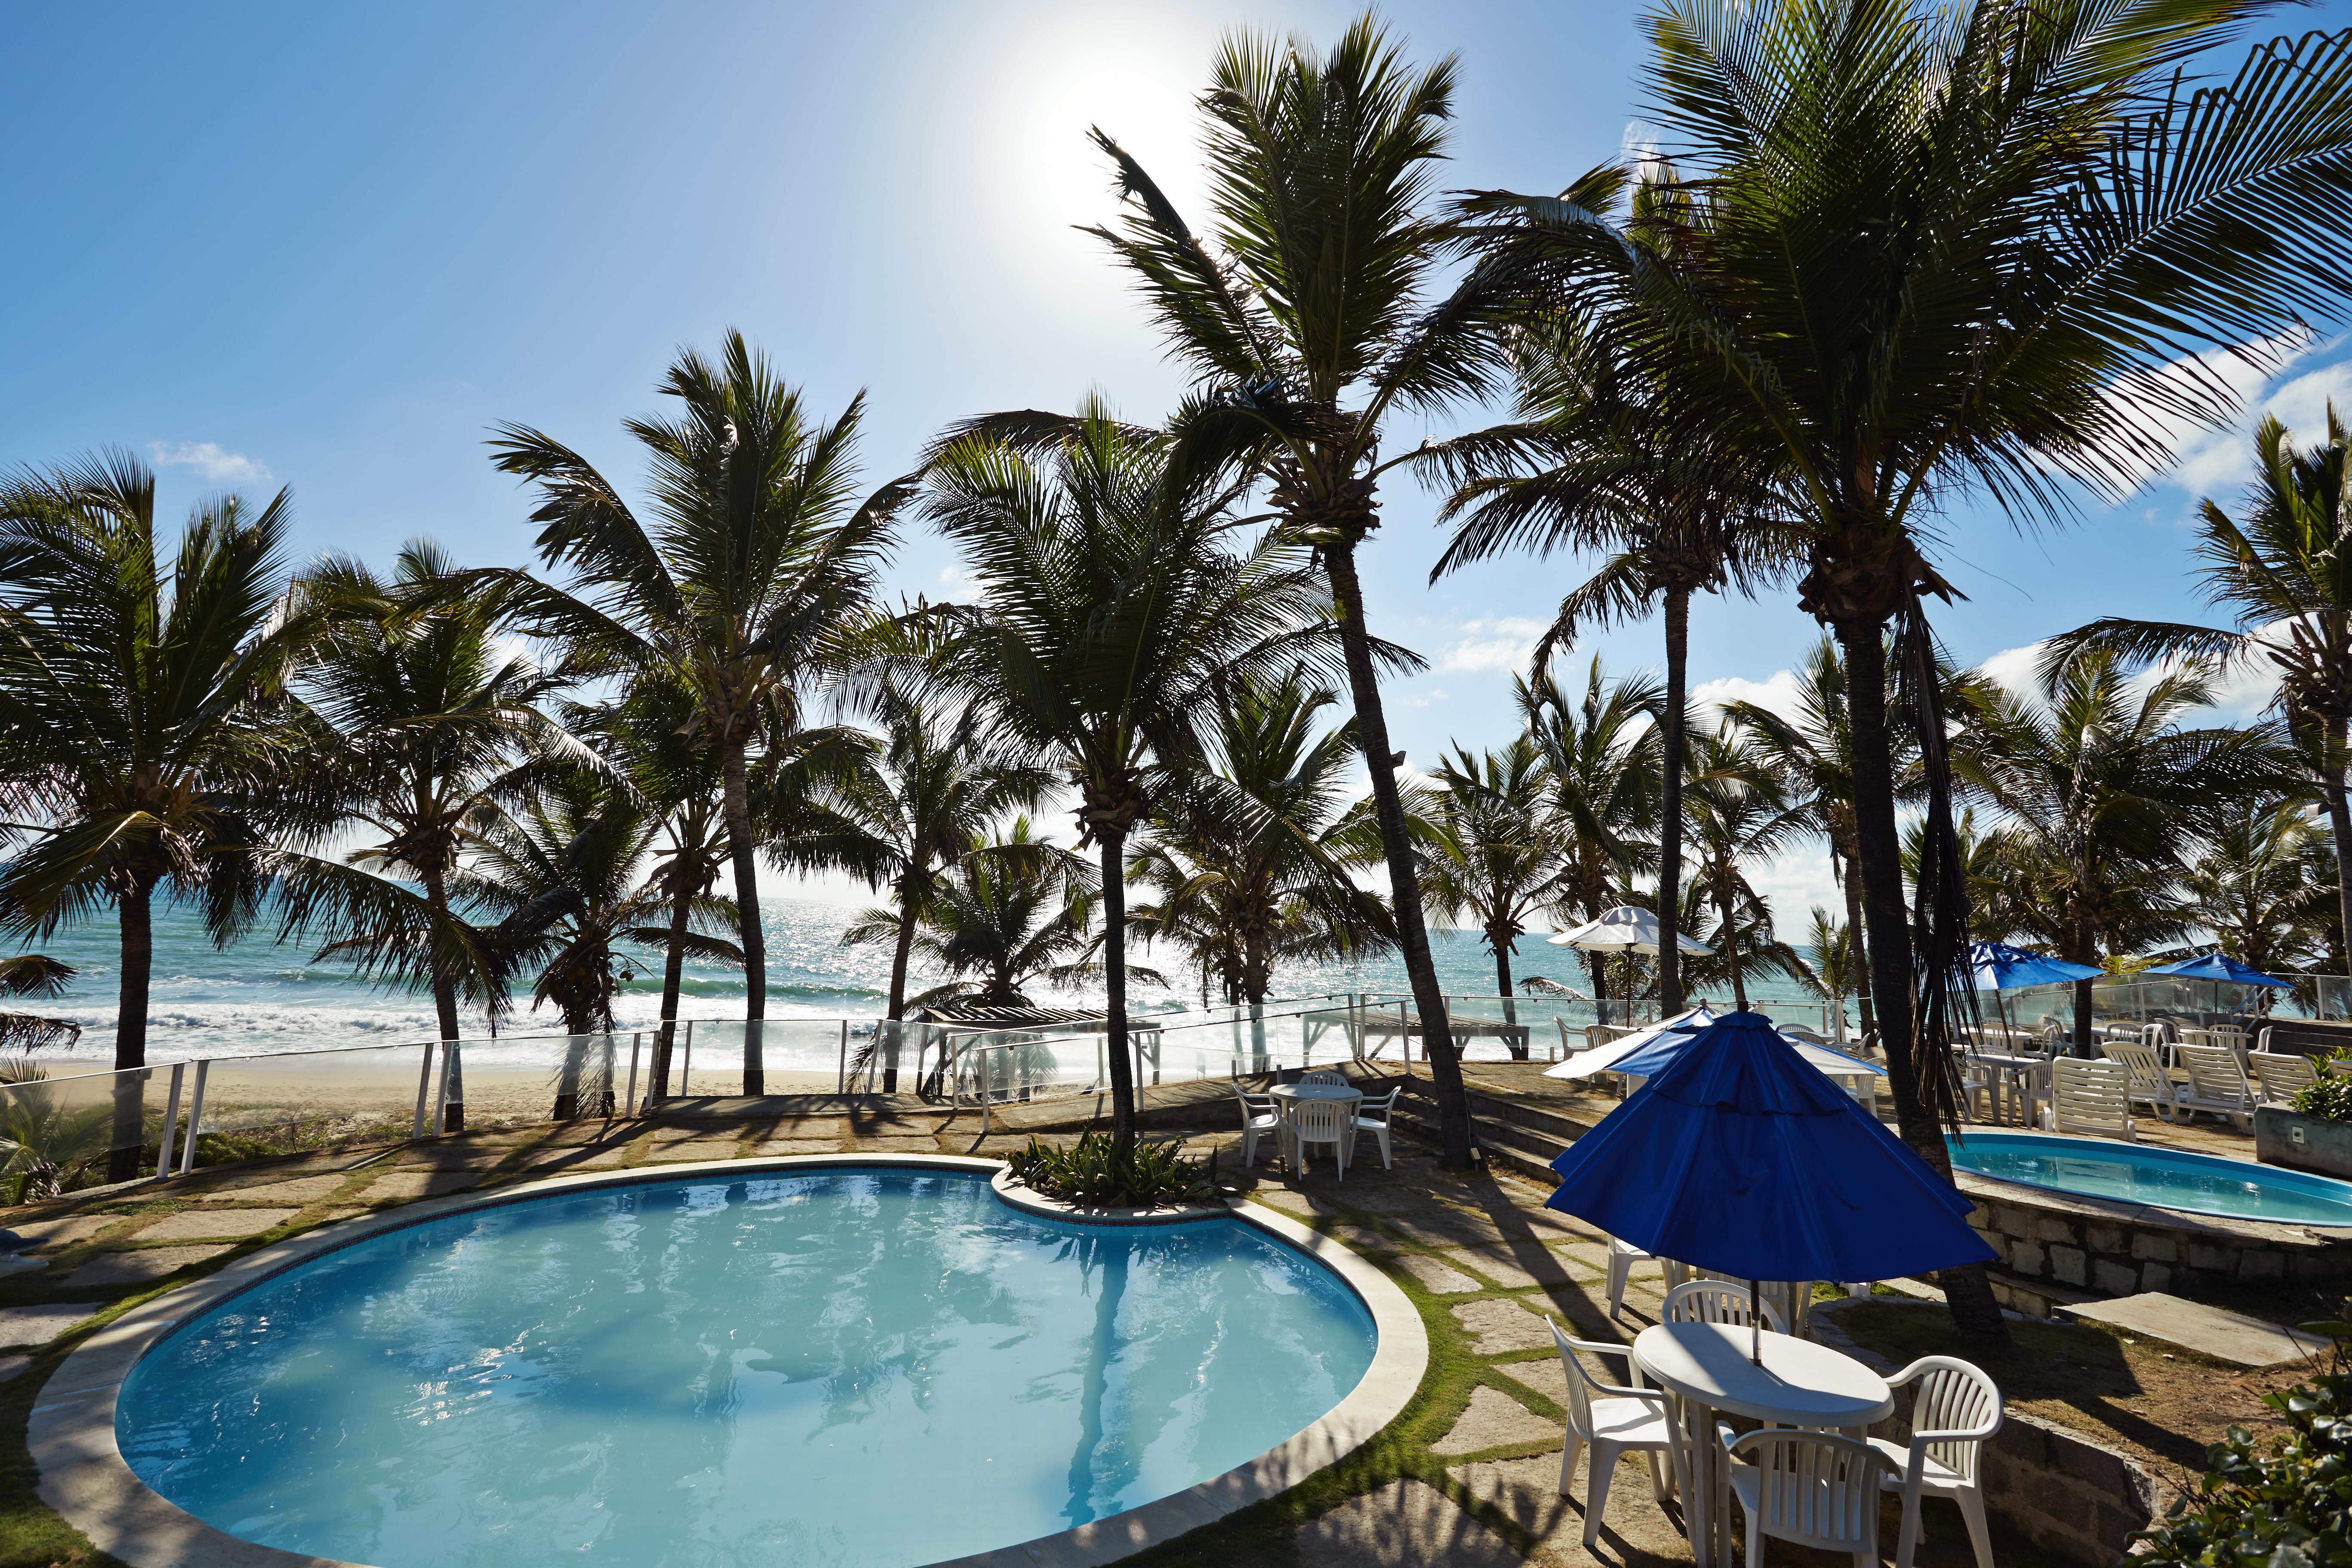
2209	1331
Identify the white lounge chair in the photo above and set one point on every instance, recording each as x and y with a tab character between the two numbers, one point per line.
1309	1122
2217	1084
2282	1076
1622	1255
1612	1419
1956	1407
1719	1302
1808	1488
2145	1080
2090	1097
1260	1117
1373	1116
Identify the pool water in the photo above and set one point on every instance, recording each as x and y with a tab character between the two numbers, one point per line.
845	1367
2164	1178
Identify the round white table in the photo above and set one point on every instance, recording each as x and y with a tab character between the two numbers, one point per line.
1288	1095
1704	1367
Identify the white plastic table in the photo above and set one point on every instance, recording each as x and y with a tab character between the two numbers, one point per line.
1289	1094
1704	1367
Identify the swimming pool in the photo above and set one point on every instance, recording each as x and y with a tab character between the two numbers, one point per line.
2164	1178
839	1366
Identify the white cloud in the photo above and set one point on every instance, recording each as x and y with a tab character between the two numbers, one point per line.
1433	695
1776	694
210	459
958	582
2013	670
1502	642
2216	462
2249	689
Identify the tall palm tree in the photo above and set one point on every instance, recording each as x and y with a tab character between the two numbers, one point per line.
747	578
1000	918
1740	943
1492	860
1601	767
1811	751
2103	787
1110	601
151	747
433	722
1309	319
1837	965
2284	574
1923	247
1258	852
933	787
2253	880
1739	814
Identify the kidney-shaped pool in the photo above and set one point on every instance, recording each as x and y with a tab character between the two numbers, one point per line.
845	1367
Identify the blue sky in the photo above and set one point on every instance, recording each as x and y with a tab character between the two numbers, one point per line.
326	246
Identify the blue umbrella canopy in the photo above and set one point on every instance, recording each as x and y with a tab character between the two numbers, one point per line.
1740	1158
2000	967
2218	966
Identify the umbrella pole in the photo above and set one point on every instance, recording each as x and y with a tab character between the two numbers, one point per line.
1756	1322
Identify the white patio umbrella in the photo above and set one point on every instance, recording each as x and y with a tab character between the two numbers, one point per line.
1625	929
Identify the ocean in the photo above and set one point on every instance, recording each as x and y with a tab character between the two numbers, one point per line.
258	995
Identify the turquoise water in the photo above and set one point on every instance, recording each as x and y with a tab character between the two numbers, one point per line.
2164	1178
859	1369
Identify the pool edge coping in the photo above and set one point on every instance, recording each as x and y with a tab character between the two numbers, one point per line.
2242	1227
81	1474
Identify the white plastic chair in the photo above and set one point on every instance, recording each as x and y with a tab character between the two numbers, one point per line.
1260	1117
1323	1075
2090	1097
2282	1076
1373	1116
2217	1084
1614	1420
1317	1122
1956	1408
1808	1488
1622	1255
2145	1080
1719	1302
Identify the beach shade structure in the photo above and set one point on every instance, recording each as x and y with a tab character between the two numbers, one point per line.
2218	966
1645	1052
1739	1158
1625	929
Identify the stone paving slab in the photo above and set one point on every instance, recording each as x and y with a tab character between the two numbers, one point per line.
1433	1273
1364	1238
1635	1529
1548	1378
1501	1325
1513	1267
214	1223
1495	1420
1405	1524
404	1186
39	1325
2209	1331
1444	1227
796	1146
683	1152
138	1267
307	1190
888	1145
554	1162
65	1229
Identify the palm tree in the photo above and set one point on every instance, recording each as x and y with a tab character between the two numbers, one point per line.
1319	288
2253	881
1739	814
2103	788
151	748
2284	574
1742	943
932	788
745	583
1810	751
1256	854
1110	605
35	974
1600	768
433	722
1492	860
999	917
1918	249
1837	966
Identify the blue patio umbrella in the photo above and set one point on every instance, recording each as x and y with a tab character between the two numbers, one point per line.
1739	1158
2000	967
2218	966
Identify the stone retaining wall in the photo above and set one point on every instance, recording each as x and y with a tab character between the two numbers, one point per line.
2121	1249
2070	1497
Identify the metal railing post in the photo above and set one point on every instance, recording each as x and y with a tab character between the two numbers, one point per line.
195	1118
424	1088
171	1123
629	1106
841	1069
441	1086
686	1067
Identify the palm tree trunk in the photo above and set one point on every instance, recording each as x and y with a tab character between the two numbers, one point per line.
1670	806
2339	826
444	1010
1502	963
742	850
1396	845
1122	1070
681	913
135	910
1594	964
1878	861
1854	930
908	908
1731	949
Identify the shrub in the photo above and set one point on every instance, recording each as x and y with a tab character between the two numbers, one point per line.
2329	1099
2290	1508
1093	1172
